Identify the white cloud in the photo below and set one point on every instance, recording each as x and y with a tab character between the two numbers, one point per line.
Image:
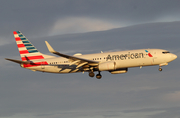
173	97
80	24
88	114
167	18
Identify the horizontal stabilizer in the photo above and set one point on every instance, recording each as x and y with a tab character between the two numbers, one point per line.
18	61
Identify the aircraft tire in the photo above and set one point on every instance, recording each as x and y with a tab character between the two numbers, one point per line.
91	74
160	69
98	76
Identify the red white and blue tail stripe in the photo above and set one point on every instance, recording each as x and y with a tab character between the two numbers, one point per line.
27	50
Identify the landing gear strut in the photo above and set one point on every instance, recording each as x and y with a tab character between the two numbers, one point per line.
98	76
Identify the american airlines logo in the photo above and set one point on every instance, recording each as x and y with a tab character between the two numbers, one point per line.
149	54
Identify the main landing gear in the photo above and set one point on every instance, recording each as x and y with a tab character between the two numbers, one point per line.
91	74
98	76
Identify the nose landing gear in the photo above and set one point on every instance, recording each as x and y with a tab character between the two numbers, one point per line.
163	64
160	69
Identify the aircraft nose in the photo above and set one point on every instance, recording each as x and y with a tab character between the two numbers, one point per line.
174	56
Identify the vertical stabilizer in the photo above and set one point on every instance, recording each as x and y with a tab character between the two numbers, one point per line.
26	49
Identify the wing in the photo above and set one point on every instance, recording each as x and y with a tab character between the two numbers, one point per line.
74	59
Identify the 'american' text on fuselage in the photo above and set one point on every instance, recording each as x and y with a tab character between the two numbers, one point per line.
125	56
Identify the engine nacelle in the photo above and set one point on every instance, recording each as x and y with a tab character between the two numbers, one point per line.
119	71
107	66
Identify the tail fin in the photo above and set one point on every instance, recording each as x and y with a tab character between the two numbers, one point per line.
26	48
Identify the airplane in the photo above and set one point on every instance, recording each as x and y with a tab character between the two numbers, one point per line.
115	62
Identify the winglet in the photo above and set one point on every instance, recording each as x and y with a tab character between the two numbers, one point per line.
49	47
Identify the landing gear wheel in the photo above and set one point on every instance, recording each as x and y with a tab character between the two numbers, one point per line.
91	74
98	76
160	69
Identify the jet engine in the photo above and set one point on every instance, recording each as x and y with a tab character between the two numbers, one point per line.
107	66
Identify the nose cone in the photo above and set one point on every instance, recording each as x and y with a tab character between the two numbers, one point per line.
174	56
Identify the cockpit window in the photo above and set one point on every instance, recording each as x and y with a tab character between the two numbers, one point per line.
165	52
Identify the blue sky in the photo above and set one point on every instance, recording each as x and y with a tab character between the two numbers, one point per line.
89	26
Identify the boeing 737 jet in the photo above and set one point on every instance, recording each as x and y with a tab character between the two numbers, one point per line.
113	62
